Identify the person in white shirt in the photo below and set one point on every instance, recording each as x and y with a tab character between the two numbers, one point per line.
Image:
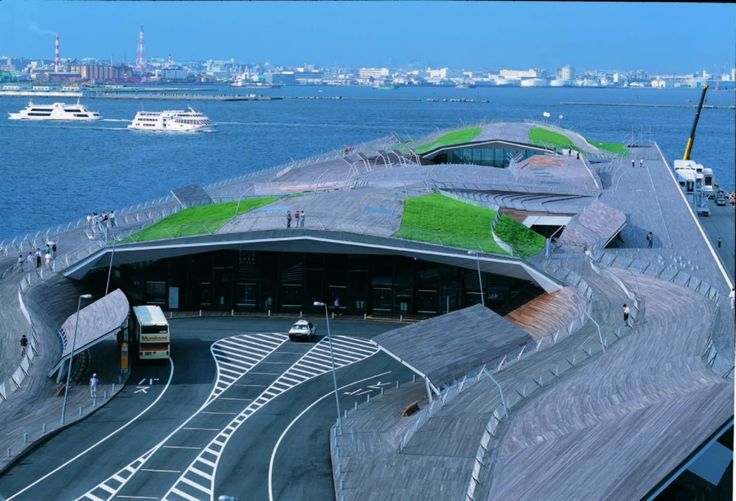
627	311
93	382
732	297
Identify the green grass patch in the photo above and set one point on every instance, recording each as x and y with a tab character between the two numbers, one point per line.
441	220
544	137
615	148
525	242
198	220
450	139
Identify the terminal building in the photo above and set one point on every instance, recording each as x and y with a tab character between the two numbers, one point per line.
553	328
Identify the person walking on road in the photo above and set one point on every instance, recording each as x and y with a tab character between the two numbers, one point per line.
641	162
633	163
627	311
650	240
288	219
20	263
93	382
23	345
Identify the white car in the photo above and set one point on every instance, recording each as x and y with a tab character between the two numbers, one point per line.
302	330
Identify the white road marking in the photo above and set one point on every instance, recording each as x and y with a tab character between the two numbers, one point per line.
166	387
159	471
236	398
314	362
217	389
180	447
201	429
293	421
225	413
135	497
142	389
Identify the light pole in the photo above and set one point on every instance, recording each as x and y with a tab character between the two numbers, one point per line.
71	357
332	360
480	280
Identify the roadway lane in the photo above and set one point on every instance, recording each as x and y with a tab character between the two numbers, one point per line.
720	224
192	379
302	467
163	445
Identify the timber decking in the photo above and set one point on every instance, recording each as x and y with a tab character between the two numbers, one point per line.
548	312
451	345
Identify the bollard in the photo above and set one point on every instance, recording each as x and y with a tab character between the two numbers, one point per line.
365	316
381	390
94	402
25	438
356	406
200	313
413	378
300	313
333	315
269	312
397	384
43	428
80	412
104	395
113	387
346	414
9	452
401	318
232	312
367	398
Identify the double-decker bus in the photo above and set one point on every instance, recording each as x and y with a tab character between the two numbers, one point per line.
151	333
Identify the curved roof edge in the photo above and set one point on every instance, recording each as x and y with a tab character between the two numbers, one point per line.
293	240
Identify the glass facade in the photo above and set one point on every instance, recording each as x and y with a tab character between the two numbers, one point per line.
489	155
251	281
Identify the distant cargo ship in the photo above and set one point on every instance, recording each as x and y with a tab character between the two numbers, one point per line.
172	121
55	111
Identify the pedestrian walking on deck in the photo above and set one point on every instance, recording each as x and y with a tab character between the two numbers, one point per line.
53	249
627	311
296	217
641	162
23	345
93	382
38	257
288	219
20	263
112	218
633	163
301	221
89	220
47	257
29	259
650	240
732	297
719	242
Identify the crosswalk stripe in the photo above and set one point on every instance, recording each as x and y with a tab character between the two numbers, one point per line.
183	494
194	484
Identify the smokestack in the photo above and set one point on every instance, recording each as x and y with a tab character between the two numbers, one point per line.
56	55
140	50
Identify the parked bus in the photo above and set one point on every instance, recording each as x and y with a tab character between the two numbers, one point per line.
151	333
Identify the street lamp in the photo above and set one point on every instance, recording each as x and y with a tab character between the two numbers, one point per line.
332	360
71	357
480	280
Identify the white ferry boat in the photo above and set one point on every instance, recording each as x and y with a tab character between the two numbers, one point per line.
55	111
172	121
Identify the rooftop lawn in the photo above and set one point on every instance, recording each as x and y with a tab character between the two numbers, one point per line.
450	139
197	220
545	137
438	219
525	242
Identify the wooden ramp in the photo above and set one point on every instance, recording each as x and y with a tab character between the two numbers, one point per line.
549	312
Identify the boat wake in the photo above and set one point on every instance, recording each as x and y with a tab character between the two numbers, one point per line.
114	120
305	125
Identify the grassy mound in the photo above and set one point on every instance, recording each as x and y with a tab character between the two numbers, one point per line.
450	139
524	241
197	220
441	220
544	137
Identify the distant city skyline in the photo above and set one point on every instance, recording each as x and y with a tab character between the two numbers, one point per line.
660	38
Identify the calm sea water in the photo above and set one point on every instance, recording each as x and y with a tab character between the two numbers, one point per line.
54	173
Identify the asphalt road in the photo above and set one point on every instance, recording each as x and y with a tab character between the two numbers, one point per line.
239	409
720	224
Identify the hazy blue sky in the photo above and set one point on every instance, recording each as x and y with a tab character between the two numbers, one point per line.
656	37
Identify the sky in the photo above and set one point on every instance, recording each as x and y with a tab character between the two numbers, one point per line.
657	37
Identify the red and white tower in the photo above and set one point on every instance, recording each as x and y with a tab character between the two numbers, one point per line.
56	55
139	64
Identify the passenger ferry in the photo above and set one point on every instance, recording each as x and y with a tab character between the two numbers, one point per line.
172	121
55	111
